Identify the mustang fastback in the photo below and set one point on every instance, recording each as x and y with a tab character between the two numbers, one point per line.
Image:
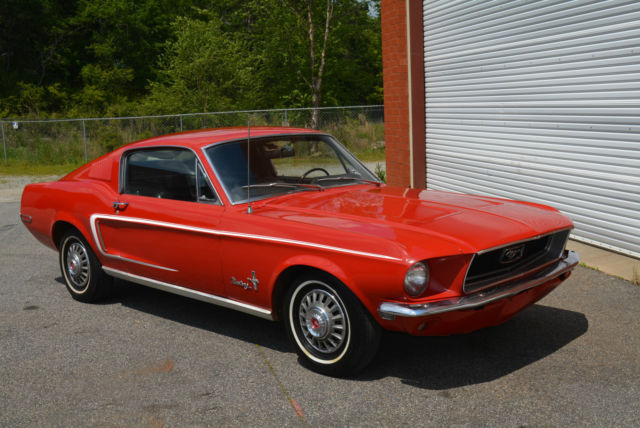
286	224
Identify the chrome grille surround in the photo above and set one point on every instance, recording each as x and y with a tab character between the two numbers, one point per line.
515	260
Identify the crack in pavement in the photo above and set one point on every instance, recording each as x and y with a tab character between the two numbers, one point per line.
296	407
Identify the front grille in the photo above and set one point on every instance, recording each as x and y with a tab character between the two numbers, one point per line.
500	264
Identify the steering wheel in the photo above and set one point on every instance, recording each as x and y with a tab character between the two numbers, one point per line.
303	176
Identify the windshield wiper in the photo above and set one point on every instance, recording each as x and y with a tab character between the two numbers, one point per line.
341	178
289	185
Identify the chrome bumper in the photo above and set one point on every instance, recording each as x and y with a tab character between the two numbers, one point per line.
391	310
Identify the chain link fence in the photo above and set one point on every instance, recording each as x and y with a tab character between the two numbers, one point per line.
76	141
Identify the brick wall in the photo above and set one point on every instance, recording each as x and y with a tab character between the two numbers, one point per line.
396	91
397	108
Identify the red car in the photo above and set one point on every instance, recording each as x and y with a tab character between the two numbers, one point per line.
287	225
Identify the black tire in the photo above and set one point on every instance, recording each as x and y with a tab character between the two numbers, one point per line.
340	345
81	270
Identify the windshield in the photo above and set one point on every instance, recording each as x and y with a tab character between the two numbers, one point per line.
284	164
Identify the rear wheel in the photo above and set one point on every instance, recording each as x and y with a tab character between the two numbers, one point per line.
81	270
332	332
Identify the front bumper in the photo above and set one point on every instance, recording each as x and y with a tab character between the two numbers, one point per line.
391	310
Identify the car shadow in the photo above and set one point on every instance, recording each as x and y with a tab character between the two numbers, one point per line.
201	315
435	363
195	313
441	363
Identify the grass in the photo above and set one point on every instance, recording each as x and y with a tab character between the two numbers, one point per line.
58	148
381	173
39	149
635	276
370	156
363	137
583	264
15	169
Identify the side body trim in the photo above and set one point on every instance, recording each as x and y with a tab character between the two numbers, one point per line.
97	237
198	295
215	232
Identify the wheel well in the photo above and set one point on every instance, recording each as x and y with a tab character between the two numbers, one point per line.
283	282
59	230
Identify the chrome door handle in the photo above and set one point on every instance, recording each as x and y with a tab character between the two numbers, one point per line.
120	206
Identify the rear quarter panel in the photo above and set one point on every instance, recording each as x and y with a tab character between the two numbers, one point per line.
71	201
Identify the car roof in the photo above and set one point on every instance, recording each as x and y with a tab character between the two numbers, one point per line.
200	138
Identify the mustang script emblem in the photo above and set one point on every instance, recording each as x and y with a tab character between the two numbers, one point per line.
512	254
253	280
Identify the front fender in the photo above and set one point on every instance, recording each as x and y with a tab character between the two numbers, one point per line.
312	261
370	281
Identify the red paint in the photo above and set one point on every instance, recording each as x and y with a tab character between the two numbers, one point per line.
364	235
297	408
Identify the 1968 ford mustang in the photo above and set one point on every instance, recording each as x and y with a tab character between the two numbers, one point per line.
287	225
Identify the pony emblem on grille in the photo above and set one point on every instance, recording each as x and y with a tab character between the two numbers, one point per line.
512	254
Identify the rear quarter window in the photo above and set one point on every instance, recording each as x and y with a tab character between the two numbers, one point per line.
161	173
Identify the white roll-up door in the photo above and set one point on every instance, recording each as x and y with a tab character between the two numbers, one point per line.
539	101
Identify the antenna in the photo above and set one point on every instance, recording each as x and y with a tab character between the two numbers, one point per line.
249	209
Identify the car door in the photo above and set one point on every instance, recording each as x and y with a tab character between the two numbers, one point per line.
164	224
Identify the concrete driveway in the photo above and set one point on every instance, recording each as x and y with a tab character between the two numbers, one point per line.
146	358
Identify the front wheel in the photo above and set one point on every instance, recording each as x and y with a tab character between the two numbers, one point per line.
81	270
332	332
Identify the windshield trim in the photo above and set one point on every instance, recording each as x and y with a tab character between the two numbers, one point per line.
343	151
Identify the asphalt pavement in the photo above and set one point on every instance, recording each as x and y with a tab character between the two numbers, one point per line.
147	358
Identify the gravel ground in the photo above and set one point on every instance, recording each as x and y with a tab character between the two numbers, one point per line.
148	358
11	186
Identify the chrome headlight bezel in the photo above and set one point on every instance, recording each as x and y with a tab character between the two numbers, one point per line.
416	279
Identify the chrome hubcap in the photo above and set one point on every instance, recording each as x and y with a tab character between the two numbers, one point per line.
77	266
322	321
317	321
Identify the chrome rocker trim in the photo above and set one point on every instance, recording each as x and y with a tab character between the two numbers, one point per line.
390	310
193	294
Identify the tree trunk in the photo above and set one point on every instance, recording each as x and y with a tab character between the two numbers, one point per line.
317	74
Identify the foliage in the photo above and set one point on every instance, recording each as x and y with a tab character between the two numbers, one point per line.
381	173
84	58
203	70
360	134
64	142
23	168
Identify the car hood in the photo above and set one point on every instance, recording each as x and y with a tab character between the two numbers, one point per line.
468	223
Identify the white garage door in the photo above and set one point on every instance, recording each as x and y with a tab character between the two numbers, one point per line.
539	100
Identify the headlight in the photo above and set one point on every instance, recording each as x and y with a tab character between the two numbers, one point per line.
416	279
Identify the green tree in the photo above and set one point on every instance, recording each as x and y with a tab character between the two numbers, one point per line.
354	64
320	52
203	70
118	57
122	40
32	55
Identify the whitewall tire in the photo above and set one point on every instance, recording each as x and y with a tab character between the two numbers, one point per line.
331	330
